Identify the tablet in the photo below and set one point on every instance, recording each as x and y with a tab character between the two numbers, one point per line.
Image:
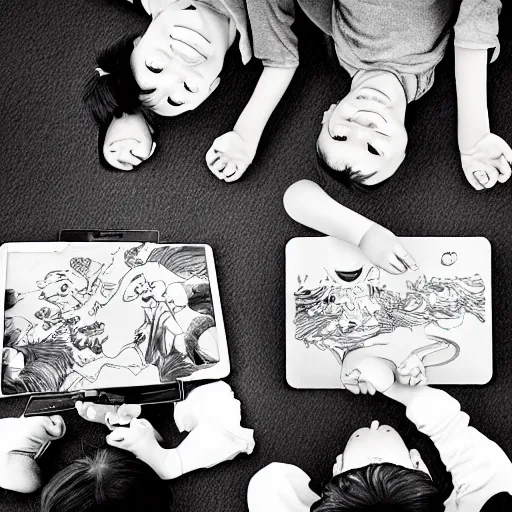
99	315
340	308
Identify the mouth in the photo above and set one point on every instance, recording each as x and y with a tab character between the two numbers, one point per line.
370	94
190	45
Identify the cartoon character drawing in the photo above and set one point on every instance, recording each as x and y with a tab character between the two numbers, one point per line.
171	328
60	346
342	319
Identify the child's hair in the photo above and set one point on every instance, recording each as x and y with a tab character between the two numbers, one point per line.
112	89
380	487
351	179
112	480
501	502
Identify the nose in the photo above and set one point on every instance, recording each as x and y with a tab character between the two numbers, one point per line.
374	425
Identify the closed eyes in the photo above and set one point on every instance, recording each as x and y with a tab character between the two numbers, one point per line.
340	138
154	69
173	103
189	89
373	151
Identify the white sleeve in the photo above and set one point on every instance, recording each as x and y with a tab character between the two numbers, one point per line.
211	414
280	488
479	467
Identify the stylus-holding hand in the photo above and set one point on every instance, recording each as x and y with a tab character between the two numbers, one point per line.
370	375
229	156
487	162
384	250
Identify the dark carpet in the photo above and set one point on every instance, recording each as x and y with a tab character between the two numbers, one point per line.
51	180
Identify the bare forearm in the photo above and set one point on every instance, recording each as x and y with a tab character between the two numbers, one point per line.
269	90
471	83
307	203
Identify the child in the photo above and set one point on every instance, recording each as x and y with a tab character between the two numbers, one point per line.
376	470
391	49
210	413
308	204
175	65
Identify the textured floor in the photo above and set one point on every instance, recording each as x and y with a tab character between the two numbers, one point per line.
50	179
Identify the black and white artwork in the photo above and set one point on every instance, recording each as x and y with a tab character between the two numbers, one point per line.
100	315
341	308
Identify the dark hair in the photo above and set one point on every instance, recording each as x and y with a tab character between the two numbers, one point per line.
115	93
112	480
380	487
501	502
348	177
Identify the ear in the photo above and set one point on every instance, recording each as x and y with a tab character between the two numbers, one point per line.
328	113
40	284
214	85
417	461
136	41
338	466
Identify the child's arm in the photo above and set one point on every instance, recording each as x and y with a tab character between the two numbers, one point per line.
479	467
233	152
22	442
275	44
485	157
308	204
280	487
211	414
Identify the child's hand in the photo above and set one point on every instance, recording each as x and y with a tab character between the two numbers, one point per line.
372	374
412	371
30	435
109	415
487	163
140	438
229	156
384	250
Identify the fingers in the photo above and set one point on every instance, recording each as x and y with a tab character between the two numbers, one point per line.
211	156
503	168
504	148
94	412
231	172
123	416
57	427
493	175
402	254
473	181
396	264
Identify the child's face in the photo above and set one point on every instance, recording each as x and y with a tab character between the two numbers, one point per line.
178	60
376	445
128	142
365	131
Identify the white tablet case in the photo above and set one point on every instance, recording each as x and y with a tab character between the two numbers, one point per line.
103	314
332	322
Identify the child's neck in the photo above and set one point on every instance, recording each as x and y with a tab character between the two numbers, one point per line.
385	82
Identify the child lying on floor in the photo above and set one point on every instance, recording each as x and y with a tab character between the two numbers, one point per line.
391	50
175	66
377	471
210	413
